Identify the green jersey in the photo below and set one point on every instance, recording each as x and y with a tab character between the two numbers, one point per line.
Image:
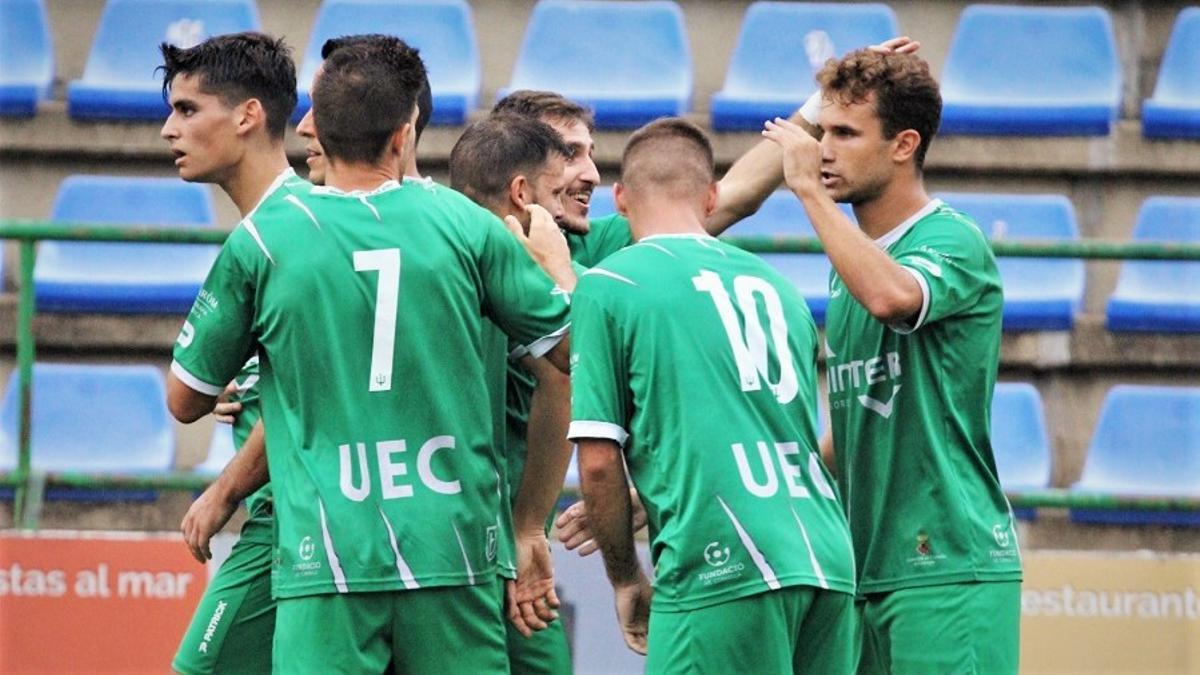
605	236
910	407
259	503
366	310
700	360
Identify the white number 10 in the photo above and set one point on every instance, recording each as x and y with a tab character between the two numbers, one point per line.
387	291
750	348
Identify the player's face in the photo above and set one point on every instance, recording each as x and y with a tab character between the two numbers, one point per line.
856	164
550	186
580	174
202	132
307	130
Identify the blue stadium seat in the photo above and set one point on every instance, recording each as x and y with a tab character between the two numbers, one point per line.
92	419
1160	296
1019	440
220	451
802	35
1031	70
81	276
1039	293
119	81
442	30
602	203
1174	110
26	57
783	214
628	61
1147	443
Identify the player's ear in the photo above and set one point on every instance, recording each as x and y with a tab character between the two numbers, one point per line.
904	145
619	197
711	196
520	192
251	115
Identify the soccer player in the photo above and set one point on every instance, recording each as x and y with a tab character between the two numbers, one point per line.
913	344
754	570
230	99
386	480
511	164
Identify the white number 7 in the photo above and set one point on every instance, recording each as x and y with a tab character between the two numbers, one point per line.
387	291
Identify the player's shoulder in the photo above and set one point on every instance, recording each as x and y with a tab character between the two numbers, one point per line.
948	227
619	273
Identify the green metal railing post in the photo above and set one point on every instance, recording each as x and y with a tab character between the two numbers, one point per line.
25	356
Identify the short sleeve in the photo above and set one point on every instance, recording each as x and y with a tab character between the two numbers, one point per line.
216	339
527	306
605	237
954	267
600	397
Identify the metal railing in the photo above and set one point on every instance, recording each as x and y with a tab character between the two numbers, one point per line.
30	484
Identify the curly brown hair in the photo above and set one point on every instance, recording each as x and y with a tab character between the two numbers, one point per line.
906	95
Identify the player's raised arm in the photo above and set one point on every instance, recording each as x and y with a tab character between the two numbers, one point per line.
759	172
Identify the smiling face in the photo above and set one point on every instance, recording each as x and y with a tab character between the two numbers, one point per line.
202	132
856	160
550	186
580	175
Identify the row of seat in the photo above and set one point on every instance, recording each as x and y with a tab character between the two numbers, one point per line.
1146	443
1040	294
1009	70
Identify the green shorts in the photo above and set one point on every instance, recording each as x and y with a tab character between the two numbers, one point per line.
233	624
544	653
798	629
951	628
447	629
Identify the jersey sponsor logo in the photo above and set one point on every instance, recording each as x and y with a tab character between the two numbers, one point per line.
213	622
307	548
186	335
715	554
884	410
391	472
860	375
1000	534
492	543
926	555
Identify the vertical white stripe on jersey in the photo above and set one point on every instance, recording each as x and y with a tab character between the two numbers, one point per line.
760	562
466	560
249	225
339	577
406	574
302	207
812	556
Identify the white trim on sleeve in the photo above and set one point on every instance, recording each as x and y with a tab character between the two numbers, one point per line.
541	346
902	327
595	429
194	382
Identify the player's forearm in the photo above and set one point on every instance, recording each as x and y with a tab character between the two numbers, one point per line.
247	471
883	287
548	451
751	179
606	496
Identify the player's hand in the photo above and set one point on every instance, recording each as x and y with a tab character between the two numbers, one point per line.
897	45
573	531
226	411
533	600
801	154
545	243
633	612
204	518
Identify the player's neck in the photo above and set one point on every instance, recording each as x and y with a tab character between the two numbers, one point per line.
896	204
254	174
352	176
665	218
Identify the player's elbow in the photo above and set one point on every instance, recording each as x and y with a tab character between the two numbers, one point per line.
599	465
184	403
893	304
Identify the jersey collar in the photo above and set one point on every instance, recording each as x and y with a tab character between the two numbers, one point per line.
283	177
894	235
677	235
386	186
